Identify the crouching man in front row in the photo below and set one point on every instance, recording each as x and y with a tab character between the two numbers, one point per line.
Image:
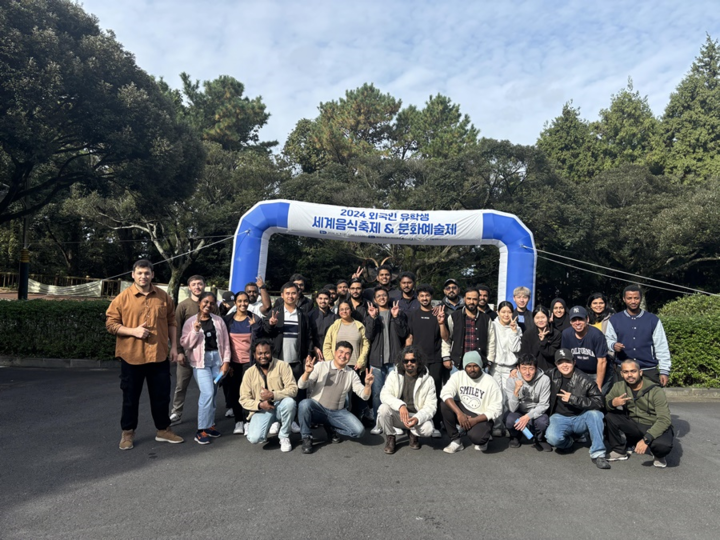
575	404
638	408
480	403
528	399
408	400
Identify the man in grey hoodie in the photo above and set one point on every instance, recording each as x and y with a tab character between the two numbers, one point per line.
528	398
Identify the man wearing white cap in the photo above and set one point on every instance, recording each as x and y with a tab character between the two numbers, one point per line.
479	403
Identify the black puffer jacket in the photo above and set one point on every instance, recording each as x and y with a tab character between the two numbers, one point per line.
585	392
374	332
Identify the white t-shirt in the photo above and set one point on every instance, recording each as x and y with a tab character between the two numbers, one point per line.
290	336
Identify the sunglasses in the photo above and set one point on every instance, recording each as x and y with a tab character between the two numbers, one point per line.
410	361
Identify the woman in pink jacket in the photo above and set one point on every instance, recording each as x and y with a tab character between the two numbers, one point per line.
205	339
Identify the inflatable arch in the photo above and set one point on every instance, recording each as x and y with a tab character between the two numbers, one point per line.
435	228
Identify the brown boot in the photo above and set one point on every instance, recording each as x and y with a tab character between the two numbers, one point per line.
390	444
414	441
126	442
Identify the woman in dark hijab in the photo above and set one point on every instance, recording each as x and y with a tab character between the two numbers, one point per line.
559	315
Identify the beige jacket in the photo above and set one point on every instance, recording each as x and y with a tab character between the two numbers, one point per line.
280	381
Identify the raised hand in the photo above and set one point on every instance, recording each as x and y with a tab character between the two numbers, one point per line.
518	385
372	310
395	310
564	395
309	365
369	377
358	272
259	282
197	325
439	312
513	324
542	334
141	332
273	318
621	401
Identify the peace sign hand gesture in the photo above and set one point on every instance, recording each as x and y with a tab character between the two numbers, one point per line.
513	324
543	333
372	310
439	312
309	365
197	325
358	272
273	318
395	310
369	377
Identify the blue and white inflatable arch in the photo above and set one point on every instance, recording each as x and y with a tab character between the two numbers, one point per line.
435	228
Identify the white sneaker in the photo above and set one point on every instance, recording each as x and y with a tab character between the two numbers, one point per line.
229	413
436	434
238	428
285	445
175	419
274	429
660	463
399	431
454	447
295	428
377	430
481	448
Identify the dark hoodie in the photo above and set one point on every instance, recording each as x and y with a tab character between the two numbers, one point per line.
563	322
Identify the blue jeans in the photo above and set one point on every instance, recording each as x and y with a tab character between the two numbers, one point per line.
380	376
262	420
204	377
561	429
343	421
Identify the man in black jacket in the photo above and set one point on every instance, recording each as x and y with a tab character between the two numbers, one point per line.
321	318
575	409
467	329
387	332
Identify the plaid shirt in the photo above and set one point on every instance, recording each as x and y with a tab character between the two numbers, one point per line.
471	336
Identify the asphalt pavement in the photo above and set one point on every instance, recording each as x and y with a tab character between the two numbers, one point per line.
62	476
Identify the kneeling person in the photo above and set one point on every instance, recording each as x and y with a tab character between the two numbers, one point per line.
528	399
480	403
637	407
575	404
408	400
267	392
328	384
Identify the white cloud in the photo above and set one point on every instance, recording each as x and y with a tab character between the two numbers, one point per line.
509	65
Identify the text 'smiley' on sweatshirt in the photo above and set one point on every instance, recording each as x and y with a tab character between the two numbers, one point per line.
480	396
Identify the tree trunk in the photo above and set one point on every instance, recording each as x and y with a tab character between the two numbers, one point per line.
176	273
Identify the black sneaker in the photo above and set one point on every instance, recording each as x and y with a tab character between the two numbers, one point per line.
307	445
601	463
514	442
543	446
332	435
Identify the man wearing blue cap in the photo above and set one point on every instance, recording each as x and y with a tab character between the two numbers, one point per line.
479	403
589	348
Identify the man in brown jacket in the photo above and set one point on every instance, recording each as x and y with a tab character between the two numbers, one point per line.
267	393
142	317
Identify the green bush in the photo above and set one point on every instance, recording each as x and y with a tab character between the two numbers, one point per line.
55	329
692	325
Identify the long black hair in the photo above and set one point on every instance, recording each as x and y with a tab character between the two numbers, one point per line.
593	317
419	356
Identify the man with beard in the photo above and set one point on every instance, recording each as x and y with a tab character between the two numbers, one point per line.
406	295
409	400
387	332
588	348
521	296
452	300
358	302
321	317
259	307
384	277
332	290
575	405
426	329
328	385
637	334
479	403
483	301
468	330
267	392
341	293
637	408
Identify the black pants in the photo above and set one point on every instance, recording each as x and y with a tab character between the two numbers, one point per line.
478	434
619	423
440	374
132	377
232	385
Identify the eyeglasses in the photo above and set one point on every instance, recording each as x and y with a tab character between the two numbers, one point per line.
409	361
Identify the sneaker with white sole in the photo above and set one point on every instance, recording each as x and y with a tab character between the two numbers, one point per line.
454	447
482	447
660	462
274	429
175	419
377	430
230	413
285	445
238	428
399	431
436	434
617	456
295	428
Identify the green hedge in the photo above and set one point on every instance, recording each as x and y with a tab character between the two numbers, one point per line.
692	325
55	329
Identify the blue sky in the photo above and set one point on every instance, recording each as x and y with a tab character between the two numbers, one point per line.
510	65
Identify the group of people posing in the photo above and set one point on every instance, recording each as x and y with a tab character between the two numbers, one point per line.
389	358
